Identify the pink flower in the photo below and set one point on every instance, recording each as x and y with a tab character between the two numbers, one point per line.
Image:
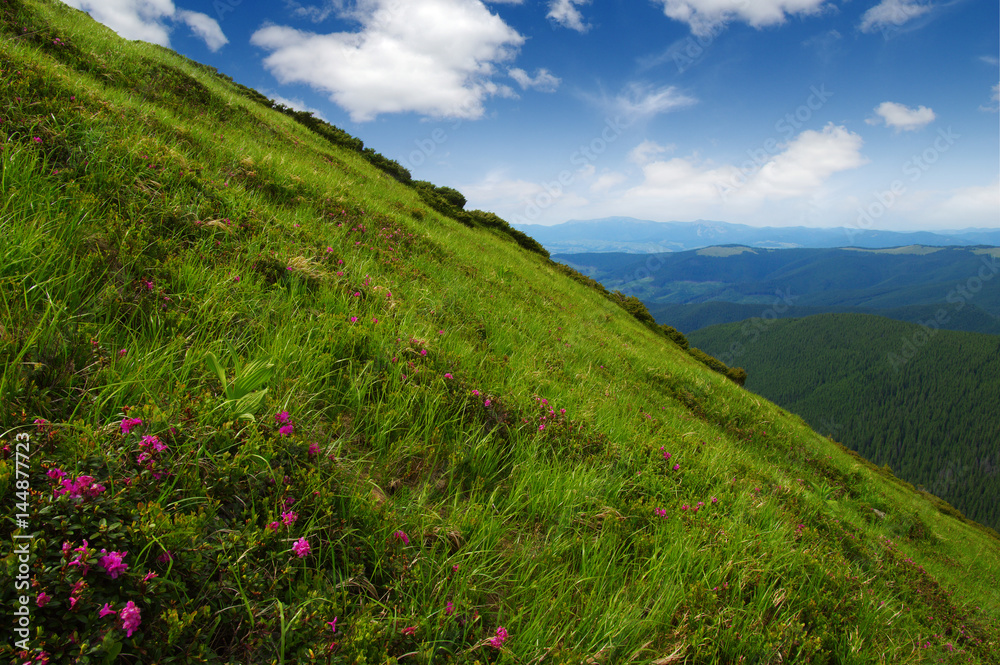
409	630
666	455
106	610
499	639
301	548
40	423
56	473
113	563
148	576
423	352
130	617
475	393
449	609
677	467
286	430
166	557
448	376
281	417
273	526
313	450
487	403
129	423
153	441
333	624
541	428
715	499
37	139
354	319
42	599
401	535
289	517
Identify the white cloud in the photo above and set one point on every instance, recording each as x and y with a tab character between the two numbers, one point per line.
565	13
434	57
149	20
205	27
799	170
607	181
901	117
973	206
543	81
776	190
995	98
707	16
643	101
647	150
892	14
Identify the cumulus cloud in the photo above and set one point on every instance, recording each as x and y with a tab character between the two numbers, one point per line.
543	80
766	188
799	169
640	100
708	16
565	13
151	20
901	117
892	14
205	27
434	57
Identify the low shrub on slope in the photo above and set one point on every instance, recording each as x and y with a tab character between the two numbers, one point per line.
280	410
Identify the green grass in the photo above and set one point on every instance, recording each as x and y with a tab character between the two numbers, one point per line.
417	359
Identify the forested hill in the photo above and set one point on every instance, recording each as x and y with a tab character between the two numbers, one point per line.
924	402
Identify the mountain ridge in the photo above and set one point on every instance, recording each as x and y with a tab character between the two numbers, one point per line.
627	234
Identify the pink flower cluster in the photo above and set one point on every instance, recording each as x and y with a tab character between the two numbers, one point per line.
401	535
285	426
497	640
83	487
113	563
548	416
151	448
129	423
301	548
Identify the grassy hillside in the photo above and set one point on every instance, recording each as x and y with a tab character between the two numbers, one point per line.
922	401
278	407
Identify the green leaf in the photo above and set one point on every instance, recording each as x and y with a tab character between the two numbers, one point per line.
254	375
213	364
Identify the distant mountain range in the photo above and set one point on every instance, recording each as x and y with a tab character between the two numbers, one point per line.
956	287
638	236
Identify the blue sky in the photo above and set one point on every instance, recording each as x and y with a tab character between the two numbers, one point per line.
872	114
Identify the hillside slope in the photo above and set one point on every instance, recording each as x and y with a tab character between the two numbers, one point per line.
922	401
280	408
